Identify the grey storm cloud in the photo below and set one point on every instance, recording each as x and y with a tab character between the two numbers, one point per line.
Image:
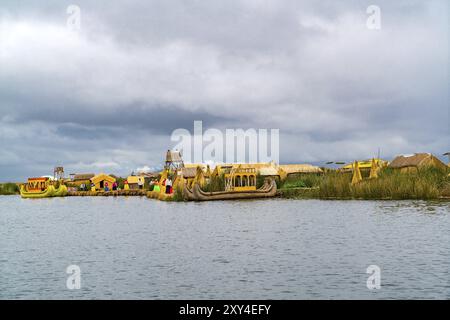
107	98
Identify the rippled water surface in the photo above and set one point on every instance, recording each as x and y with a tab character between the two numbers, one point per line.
136	248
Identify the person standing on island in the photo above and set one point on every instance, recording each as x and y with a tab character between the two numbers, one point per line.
168	185
151	185
156	187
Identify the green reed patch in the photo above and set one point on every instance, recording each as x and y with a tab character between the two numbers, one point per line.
425	183
9	189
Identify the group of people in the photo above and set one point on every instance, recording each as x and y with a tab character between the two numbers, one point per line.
166	183
84	187
115	186
154	185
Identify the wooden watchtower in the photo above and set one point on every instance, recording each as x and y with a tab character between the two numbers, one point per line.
174	161
58	173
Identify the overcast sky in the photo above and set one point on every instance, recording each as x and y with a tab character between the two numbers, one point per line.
107	98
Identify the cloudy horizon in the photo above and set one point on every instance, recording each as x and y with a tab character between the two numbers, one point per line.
106	98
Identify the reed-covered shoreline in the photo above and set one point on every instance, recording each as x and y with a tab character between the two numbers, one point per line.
9	188
424	184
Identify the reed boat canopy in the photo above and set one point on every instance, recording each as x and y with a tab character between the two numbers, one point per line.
241	179
37	184
267	169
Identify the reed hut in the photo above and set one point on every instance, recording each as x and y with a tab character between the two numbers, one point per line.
102	180
414	162
82	178
188	175
136	182
78	180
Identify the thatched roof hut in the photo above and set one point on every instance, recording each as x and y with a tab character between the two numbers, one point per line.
101	181
189	173
416	161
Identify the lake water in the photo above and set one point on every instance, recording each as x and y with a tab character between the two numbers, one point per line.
137	248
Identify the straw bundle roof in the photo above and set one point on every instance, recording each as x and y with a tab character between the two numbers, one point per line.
300	168
269	171
195	165
189	172
173	156
83	176
416	160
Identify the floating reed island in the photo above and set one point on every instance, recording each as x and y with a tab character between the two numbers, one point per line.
417	176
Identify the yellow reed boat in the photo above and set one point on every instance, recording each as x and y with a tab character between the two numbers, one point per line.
41	188
61	191
240	183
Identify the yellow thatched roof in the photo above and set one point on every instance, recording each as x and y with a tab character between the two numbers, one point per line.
83	176
189	172
300	168
269	171
135	179
256	165
416	160
195	165
102	177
